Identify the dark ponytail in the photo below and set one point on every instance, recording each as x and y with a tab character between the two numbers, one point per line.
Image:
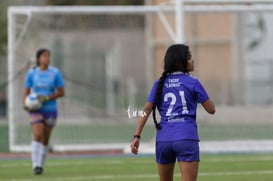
38	55
158	97
176	59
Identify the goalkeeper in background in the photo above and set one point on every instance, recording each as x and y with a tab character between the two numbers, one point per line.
47	82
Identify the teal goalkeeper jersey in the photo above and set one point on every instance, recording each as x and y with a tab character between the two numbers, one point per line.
45	83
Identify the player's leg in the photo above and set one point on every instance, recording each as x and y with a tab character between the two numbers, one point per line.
188	156
166	171
45	147
41	147
38	134
49	122
165	158
189	170
47	134
37	125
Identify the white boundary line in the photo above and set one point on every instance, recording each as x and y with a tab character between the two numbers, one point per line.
216	147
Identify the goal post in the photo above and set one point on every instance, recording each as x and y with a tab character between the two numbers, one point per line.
109	58
106	37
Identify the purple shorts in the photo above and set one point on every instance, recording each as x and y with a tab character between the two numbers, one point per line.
47	118
183	150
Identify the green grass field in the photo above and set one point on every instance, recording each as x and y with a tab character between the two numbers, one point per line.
135	168
233	167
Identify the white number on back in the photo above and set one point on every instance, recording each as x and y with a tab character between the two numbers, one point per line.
172	103
173	98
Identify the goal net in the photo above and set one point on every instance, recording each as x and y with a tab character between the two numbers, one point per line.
110	56
103	60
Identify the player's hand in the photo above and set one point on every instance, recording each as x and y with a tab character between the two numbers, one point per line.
43	99
135	145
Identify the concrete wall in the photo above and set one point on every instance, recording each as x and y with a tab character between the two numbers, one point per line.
210	37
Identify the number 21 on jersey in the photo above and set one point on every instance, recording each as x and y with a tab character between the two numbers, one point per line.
173	101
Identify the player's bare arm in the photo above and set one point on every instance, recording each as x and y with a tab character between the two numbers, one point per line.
59	93
141	122
209	106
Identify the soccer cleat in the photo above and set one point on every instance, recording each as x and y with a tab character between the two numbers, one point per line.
38	171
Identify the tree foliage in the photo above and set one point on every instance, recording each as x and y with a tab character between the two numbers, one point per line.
3	29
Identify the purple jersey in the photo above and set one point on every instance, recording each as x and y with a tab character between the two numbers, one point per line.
177	107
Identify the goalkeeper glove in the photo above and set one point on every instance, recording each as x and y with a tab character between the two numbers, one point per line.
26	108
43	99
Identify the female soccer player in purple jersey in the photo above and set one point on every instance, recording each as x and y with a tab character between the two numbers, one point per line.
175	95
47	82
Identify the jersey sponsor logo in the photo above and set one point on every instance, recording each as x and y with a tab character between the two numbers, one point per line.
175	119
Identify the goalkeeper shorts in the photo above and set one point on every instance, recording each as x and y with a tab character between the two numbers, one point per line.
47	118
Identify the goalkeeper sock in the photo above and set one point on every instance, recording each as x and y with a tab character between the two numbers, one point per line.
45	152
41	155
35	146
